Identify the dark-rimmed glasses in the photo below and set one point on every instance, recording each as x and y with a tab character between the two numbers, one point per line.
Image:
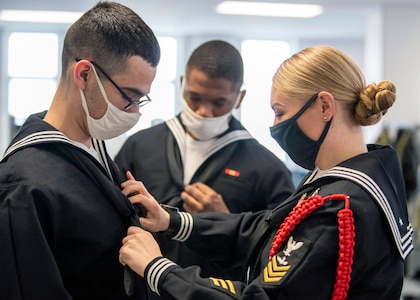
140	102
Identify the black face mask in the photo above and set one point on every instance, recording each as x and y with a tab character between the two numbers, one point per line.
301	149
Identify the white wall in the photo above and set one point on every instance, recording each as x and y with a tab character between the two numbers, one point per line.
390	50
401	49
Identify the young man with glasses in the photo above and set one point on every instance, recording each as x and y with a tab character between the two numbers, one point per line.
203	159
63	211
142	99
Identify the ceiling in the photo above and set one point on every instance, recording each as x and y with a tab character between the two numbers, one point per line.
342	19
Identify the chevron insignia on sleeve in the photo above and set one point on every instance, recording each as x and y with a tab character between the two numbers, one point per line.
273	272
283	262
223	284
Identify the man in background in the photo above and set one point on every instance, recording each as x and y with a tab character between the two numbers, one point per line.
203	159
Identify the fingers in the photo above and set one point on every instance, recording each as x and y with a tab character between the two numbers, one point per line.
194	193
138	249
199	197
157	219
131	231
204	188
145	201
134	187
198	188
198	193
129	176
191	204
154	218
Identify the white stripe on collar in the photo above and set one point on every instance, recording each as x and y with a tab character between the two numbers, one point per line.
404	242
100	148
56	136
178	131
35	138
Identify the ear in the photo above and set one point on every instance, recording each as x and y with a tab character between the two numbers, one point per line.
328	105
81	72
181	79
241	96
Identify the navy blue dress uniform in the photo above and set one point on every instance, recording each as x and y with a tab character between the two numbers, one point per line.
62	219
248	176
305	265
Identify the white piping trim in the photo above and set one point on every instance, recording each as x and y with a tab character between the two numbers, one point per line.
155	272
185	228
404	243
56	136
34	138
100	149
178	131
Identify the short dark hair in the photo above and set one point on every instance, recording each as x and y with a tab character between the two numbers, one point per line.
218	59
110	33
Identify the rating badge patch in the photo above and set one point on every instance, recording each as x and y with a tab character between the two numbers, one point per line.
274	272
284	261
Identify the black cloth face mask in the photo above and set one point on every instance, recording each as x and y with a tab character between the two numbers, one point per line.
301	149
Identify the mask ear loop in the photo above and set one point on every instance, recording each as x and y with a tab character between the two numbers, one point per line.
345	240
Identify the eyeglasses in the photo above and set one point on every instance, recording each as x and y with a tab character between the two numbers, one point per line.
140	102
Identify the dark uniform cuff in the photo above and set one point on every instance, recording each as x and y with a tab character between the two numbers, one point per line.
180	224
157	269
174	220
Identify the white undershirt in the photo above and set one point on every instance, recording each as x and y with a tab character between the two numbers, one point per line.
194	155
89	150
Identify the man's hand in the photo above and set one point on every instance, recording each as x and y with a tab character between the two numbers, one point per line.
199	197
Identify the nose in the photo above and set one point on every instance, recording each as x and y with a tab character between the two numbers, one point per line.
205	110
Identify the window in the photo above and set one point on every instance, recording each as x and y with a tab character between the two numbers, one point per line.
32	74
261	60
162	91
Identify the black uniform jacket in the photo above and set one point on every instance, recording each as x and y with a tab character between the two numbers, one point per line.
62	219
306	265
247	175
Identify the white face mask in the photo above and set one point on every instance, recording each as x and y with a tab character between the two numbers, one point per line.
203	128
113	123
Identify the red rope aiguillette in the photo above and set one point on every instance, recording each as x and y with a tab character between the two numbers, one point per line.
345	239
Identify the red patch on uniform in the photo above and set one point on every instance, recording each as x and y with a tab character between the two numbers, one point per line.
233	173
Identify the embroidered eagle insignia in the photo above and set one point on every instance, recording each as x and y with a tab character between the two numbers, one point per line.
280	264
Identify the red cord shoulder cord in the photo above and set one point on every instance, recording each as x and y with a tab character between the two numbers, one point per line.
346	237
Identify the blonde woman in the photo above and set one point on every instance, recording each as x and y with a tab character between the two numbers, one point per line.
344	234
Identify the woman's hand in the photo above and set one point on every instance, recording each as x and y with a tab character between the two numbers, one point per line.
138	250
156	218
